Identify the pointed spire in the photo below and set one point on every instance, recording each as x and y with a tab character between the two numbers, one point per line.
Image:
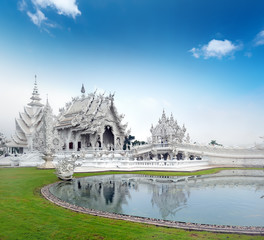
35	96
47	107
171	119
163	118
47	100
83	89
35	90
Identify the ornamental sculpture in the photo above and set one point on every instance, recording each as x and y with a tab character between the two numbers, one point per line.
47	139
65	167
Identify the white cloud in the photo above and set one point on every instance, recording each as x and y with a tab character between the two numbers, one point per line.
259	40
37	18
215	48
196	52
63	7
22	5
248	54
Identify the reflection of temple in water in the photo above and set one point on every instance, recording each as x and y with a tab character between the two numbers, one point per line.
169	199
104	194
169	195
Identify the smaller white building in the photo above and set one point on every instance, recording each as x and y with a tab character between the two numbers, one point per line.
167	131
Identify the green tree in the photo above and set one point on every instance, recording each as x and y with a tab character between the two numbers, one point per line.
137	142
214	143
128	141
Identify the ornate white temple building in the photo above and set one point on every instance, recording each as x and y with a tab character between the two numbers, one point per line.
87	122
91	121
167	130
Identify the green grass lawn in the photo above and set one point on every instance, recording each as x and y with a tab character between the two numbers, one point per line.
25	214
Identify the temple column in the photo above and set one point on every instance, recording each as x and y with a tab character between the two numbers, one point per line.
102	140
68	140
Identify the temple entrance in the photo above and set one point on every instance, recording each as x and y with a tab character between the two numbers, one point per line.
71	145
108	138
98	144
79	146
85	139
179	156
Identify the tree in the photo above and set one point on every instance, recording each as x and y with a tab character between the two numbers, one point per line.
214	143
137	142
127	141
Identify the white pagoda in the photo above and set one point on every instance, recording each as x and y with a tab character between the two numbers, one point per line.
27	124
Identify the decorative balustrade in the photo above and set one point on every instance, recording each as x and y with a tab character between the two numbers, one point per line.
201	150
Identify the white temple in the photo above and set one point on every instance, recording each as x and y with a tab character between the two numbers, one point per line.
87	122
27	124
91	121
90	128
167	130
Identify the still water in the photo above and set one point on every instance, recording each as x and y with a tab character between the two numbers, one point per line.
226	198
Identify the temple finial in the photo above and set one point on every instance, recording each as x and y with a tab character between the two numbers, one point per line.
35	90
83	89
163	114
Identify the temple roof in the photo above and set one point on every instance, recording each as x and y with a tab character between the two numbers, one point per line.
35	96
86	113
168	128
12	143
29	120
18	141
32	111
21	136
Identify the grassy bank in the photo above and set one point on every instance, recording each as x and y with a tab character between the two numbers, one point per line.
24	214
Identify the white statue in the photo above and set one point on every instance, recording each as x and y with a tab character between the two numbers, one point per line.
65	167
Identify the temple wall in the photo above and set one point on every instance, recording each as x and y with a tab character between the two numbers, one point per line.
235	161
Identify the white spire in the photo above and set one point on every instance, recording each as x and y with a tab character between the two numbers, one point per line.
35	96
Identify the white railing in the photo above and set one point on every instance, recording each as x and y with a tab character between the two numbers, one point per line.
141	164
201	150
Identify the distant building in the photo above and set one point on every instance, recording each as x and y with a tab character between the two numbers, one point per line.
167	130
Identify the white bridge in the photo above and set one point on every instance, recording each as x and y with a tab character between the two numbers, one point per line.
214	155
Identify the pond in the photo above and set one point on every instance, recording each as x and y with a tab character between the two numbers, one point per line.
231	197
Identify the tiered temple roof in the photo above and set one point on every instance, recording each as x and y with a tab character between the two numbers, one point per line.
89	113
28	122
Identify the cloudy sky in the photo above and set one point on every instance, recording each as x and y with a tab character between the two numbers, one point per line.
203	61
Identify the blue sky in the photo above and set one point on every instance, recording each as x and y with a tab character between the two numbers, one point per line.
200	60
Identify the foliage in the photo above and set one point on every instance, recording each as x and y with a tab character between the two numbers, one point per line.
127	142
214	143
25	214
137	142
